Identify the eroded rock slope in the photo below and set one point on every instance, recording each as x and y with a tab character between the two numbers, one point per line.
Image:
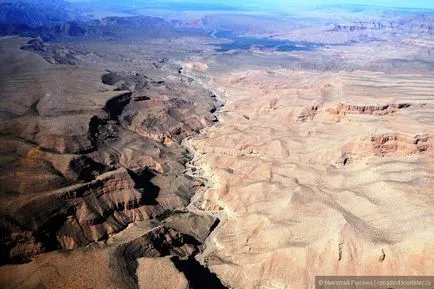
84	152
319	174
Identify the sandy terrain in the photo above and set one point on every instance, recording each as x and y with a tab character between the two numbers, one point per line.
319	174
139	151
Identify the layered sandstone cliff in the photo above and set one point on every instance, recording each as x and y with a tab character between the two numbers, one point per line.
319	174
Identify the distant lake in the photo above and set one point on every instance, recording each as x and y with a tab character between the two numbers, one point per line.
246	42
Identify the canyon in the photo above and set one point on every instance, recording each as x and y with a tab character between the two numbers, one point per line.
190	149
323	196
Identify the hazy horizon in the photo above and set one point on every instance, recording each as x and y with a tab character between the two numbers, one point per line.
282	4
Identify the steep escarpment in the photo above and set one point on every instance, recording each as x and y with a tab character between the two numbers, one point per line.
109	179
306	195
148	255
390	144
177	238
341	110
75	216
86	153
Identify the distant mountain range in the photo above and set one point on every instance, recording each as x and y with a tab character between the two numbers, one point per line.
54	19
36	13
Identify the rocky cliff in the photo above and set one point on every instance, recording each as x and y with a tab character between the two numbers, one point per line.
85	153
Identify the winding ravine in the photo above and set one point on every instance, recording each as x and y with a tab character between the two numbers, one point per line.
194	170
193	266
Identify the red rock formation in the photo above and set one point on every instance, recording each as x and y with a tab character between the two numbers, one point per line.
390	144
342	109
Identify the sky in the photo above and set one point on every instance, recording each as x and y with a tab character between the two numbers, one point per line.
293	3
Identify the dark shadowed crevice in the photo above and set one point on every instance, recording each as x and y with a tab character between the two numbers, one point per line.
141	98
142	181
160	242
86	168
115	106
216	223
198	276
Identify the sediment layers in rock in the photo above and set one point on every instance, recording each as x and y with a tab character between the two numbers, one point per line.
306	195
84	153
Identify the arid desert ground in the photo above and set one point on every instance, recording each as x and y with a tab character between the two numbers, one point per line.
214	148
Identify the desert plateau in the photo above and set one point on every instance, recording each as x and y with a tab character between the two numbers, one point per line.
212	145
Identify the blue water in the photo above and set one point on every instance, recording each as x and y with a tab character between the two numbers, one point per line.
246	42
